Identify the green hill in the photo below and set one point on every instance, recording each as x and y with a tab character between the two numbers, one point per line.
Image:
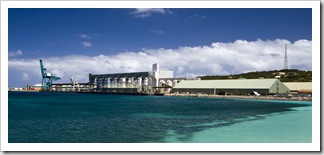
290	75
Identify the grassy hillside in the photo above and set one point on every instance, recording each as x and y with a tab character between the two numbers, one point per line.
291	75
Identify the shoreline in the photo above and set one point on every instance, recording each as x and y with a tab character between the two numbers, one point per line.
244	97
269	97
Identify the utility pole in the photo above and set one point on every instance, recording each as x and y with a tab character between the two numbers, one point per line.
286	58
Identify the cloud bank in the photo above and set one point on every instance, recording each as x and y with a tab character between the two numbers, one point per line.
216	59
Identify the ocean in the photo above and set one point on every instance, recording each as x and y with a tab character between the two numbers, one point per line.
47	117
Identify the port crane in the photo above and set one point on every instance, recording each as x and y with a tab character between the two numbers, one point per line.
47	78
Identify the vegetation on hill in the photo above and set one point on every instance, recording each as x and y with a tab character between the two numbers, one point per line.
290	75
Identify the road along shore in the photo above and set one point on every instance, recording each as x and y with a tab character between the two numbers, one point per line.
268	97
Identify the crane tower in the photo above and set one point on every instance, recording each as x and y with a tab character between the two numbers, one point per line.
47	78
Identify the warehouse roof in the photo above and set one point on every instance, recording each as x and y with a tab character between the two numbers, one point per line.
296	86
229	84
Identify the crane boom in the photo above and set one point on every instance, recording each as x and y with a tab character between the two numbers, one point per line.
42	67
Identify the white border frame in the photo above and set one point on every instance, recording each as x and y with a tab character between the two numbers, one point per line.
314	146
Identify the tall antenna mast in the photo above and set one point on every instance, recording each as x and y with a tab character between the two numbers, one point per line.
286	58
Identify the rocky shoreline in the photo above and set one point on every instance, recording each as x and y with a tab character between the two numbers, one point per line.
244	97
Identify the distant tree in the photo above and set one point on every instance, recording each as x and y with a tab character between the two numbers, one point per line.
294	76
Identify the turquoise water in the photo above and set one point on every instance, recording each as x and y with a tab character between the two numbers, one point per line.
102	118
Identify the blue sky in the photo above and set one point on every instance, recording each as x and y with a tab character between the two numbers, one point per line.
64	37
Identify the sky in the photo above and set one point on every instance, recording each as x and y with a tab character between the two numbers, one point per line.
191	42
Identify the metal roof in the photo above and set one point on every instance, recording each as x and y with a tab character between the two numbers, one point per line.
299	85
229	84
131	74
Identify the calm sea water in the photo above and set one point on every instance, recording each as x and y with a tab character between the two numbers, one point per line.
102	118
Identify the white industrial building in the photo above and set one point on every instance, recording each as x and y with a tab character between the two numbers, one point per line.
134	82
160	75
299	87
236	86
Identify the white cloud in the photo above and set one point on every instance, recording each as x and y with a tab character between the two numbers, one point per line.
217	59
84	36
86	44
158	31
147	12
25	76
15	53
197	16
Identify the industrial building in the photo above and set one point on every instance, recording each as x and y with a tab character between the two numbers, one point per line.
235	87
36	87
80	87
157	80
299	87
